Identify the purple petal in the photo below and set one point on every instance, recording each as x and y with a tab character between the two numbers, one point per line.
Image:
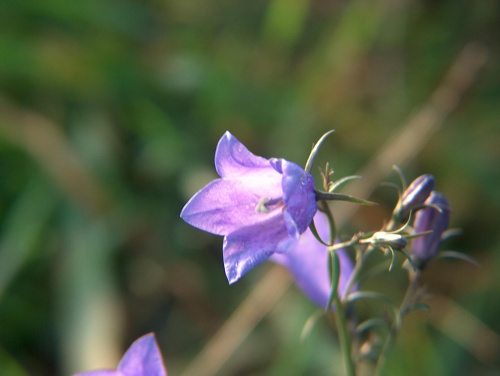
232	158
429	219
298	192
250	246
100	373
143	358
225	205
308	264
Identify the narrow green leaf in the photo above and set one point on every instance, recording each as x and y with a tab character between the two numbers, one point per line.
335	185
404	183
361	295
310	324
458	255
393	261
334	268
326	196
419	307
314	231
371	324
315	151
408	257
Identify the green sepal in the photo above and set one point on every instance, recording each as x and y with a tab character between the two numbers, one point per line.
404	183
408	257
458	255
334	269
315	151
314	231
393	261
327	196
335	185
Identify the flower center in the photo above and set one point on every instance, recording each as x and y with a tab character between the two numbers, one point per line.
265	205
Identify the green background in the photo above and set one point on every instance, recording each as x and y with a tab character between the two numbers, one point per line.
110	111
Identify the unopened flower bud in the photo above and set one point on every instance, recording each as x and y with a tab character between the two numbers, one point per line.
430	219
387	239
415	195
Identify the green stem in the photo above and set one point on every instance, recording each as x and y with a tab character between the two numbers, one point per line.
344	338
391	337
340	318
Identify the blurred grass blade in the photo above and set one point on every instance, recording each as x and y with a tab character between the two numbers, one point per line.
23	227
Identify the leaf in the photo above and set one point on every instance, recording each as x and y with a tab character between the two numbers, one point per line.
419	307
371	324
314	231
334	268
362	295
408	257
393	259
402	177
458	255
342	197
315	152
342	181
309	324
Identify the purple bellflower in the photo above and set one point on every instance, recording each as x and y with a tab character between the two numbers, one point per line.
143	358
261	206
424	248
308	264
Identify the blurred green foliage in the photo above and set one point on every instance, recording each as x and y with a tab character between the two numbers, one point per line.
109	116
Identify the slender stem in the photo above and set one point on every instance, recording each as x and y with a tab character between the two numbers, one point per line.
391	337
344	338
340	318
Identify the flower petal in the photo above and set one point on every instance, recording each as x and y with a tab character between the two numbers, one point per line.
308	264
250	246
226	205
143	358
232	158
298	192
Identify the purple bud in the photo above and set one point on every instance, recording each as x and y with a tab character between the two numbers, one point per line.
425	247
416	193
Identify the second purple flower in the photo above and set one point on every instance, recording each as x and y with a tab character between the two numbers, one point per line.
260	206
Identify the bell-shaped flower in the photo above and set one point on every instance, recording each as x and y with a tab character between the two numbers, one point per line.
261	206
424	248
308	264
143	358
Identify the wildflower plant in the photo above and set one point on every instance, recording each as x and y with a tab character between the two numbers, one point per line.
272	209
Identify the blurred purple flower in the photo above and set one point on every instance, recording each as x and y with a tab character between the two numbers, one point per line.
425	247
308	264
143	358
415	195
261	206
